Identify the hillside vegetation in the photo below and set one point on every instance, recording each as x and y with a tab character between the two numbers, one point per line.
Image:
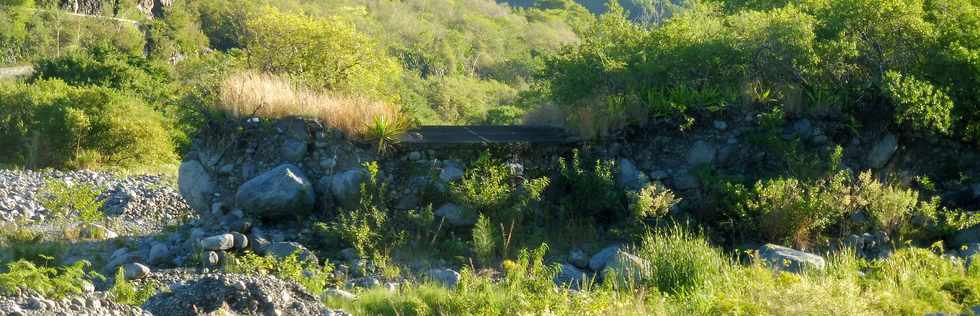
738	157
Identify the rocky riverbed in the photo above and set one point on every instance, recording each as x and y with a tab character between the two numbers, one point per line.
143	202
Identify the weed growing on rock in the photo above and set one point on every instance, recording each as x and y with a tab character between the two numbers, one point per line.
74	201
48	281
484	240
125	292
591	193
313	276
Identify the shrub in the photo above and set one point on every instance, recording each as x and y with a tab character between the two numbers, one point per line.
265	95
889	206
124	292
326	53
489	188
504	115
49	282
788	210
314	277
589	193
680	261
79	124
106	66
654	200
385	131
74	201
485	188
484	240
467	99
367	227
918	104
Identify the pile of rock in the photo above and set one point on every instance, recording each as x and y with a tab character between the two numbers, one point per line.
236	294
90	303
616	260
141	201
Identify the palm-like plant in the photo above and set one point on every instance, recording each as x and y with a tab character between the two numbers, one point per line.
385	130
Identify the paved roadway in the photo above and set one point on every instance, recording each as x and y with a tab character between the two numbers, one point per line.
488	134
18	71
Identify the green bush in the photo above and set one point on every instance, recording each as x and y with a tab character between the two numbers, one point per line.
504	115
367	226
34	34
50	282
918	104
654	200
680	261
889	206
789	210
50	124
70	201
313	276
484	240
326	53
489	188
124	292
106	66
589	193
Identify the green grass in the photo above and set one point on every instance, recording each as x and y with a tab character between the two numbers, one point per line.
125	292
690	277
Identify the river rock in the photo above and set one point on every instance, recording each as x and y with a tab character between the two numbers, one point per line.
790	260
284	190
195	185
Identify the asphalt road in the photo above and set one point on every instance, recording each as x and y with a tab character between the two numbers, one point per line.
487	134
18	71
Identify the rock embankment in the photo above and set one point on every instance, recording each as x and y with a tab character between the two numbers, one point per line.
140	201
235	294
92	303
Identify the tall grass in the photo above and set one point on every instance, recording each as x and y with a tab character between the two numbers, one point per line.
263	95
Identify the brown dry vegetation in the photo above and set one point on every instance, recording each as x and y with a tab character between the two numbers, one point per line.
269	96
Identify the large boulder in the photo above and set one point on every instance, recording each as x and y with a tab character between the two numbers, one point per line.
701	153
195	185
160	253
447	277
883	151
630	177
281	191
451	171
218	242
599	260
456	215
627	268
132	271
790	260
570	276
346	187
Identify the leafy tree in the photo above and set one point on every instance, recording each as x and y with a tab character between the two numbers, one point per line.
918	104
51	124
328	53
106	66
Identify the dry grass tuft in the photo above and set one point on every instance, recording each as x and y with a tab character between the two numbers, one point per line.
269	96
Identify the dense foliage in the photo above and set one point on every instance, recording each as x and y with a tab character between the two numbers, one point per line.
50	123
814	58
